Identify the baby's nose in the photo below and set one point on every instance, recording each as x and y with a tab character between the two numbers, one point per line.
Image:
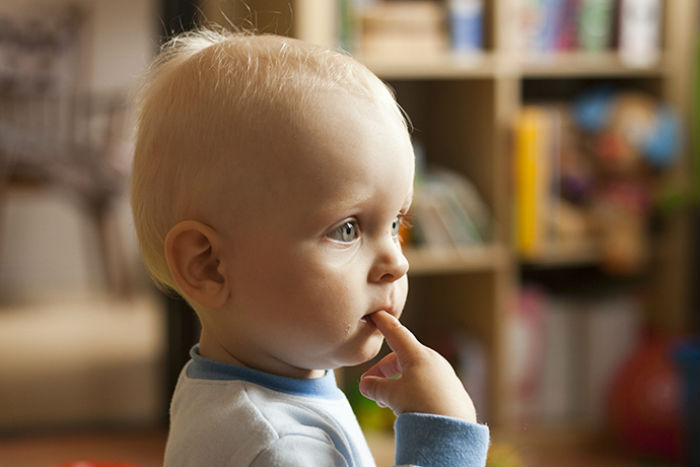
390	264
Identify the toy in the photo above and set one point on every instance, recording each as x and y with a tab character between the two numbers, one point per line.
503	453
631	127
630	138
645	401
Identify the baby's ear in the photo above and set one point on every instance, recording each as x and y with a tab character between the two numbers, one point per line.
193	252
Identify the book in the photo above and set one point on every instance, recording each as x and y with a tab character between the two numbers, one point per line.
402	27
551	26
524	355
546	169
563	358
448	212
611	331
564	352
531	179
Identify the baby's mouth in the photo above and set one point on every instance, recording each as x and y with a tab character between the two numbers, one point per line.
368	317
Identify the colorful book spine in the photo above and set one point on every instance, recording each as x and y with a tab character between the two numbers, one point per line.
527	180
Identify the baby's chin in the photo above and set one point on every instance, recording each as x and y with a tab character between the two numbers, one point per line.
369	350
351	355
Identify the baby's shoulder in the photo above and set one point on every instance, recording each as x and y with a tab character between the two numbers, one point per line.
247	404
209	419
243	421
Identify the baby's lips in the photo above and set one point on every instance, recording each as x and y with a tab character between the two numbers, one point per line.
368	316
372	317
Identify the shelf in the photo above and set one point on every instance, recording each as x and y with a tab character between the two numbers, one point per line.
489	65
565	254
464	109
442	66
459	259
584	64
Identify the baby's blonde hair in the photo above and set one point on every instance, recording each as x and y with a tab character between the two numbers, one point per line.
201	91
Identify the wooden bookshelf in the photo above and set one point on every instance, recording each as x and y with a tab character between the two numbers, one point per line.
489	65
463	111
562	253
443	66
585	64
429	260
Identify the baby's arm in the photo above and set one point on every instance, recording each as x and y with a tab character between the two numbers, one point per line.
436	415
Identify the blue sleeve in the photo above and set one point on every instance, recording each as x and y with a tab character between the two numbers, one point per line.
433	440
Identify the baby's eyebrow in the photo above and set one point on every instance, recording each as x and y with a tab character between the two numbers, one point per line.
332	211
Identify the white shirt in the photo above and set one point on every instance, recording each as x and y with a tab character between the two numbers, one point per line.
225	415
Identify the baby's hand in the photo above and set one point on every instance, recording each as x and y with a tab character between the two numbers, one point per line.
426	382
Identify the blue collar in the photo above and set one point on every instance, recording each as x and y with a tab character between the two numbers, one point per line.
324	387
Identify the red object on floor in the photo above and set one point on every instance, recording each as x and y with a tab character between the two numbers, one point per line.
645	401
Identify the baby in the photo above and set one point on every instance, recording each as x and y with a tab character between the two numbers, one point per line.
270	181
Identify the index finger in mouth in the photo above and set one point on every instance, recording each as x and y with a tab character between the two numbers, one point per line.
398	337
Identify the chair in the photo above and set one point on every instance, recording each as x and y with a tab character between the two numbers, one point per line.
53	134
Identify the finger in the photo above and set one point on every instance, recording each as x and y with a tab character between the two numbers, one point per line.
378	389
387	367
398	337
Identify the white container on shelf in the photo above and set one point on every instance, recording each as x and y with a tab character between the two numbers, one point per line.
640	24
466	30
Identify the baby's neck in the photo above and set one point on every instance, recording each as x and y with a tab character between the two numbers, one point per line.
213	350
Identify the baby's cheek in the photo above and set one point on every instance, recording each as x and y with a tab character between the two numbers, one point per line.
402	293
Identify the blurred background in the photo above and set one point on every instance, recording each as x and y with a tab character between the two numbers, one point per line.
554	239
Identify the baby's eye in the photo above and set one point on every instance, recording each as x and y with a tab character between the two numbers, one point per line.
346	232
396	226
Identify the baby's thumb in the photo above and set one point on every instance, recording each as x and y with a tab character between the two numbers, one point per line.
378	389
